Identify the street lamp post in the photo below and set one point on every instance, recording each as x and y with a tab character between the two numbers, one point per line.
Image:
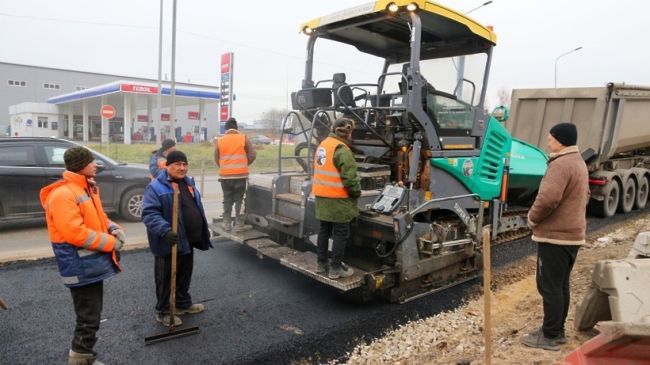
560	56
478	7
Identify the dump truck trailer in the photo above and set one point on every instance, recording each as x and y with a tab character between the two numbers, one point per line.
613	136
434	168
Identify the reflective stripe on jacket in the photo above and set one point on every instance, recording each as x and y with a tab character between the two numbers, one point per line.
78	229
233	161
327	179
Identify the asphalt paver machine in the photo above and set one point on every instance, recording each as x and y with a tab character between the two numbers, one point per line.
435	168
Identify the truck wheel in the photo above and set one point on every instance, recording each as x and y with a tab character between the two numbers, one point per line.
626	202
642	193
607	207
131	205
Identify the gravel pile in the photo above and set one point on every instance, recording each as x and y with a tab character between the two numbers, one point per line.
456	337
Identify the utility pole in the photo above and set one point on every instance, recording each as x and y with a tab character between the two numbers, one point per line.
157	129
172	115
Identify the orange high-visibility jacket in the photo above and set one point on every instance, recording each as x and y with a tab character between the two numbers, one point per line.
233	161
78	229
327	179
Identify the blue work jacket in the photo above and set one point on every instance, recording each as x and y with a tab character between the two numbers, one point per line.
157	216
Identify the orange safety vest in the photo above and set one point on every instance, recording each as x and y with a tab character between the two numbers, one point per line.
233	161
327	179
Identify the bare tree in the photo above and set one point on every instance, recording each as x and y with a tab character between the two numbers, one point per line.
504	96
273	119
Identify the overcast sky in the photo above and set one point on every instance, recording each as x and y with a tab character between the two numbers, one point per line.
121	37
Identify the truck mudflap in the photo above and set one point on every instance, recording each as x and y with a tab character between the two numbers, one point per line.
301	261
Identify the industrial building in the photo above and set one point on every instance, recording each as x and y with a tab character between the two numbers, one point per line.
43	101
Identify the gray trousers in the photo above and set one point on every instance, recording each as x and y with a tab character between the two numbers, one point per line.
233	193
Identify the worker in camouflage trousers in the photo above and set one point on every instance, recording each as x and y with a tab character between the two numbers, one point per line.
336	187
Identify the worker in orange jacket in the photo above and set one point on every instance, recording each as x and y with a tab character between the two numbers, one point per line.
85	243
233	153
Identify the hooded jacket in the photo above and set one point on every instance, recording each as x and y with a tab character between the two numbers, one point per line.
157	216
79	231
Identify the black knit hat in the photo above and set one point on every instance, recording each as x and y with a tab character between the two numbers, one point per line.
176	156
77	158
231	123
167	144
565	133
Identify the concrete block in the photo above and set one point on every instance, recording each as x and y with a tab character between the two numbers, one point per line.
626	283
641	247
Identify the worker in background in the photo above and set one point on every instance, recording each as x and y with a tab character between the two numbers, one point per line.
336	187
233	153
158	157
557	219
85	244
501	113
157	210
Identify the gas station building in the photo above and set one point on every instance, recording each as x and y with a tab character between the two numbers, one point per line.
135	105
50	102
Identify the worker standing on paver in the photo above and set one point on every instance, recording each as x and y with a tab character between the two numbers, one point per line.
558	221
337	188
233	153
85	244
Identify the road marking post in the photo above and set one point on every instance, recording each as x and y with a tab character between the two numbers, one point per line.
487	297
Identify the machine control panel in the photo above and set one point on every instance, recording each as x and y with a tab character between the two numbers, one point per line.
389	199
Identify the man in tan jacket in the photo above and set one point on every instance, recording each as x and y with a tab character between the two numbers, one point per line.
558	220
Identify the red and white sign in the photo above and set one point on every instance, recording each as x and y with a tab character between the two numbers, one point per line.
107	111
225	63
193	115
164	117
141	89
223	113
225	107
142	118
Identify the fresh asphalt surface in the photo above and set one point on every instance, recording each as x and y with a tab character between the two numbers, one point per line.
258	312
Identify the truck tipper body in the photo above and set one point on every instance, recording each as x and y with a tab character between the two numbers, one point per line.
613	136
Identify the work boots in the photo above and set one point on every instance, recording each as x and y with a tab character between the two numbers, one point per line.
79	358
227	223
240	224
340	271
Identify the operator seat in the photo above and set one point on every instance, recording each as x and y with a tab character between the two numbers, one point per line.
345	93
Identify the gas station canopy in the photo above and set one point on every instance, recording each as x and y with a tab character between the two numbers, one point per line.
129	98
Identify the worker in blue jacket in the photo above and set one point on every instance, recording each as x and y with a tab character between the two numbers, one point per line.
192	233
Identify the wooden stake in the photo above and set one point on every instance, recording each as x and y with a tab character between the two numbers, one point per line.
487	296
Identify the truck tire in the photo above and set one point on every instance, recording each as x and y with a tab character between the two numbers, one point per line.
642	193
606	207
628	196
131	205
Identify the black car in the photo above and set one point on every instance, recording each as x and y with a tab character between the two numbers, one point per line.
27	164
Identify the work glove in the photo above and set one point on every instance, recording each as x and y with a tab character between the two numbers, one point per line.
171	238
121	238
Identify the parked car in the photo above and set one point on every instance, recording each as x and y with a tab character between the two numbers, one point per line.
27	164
260	139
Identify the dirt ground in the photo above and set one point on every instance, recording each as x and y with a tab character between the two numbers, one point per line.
457	337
